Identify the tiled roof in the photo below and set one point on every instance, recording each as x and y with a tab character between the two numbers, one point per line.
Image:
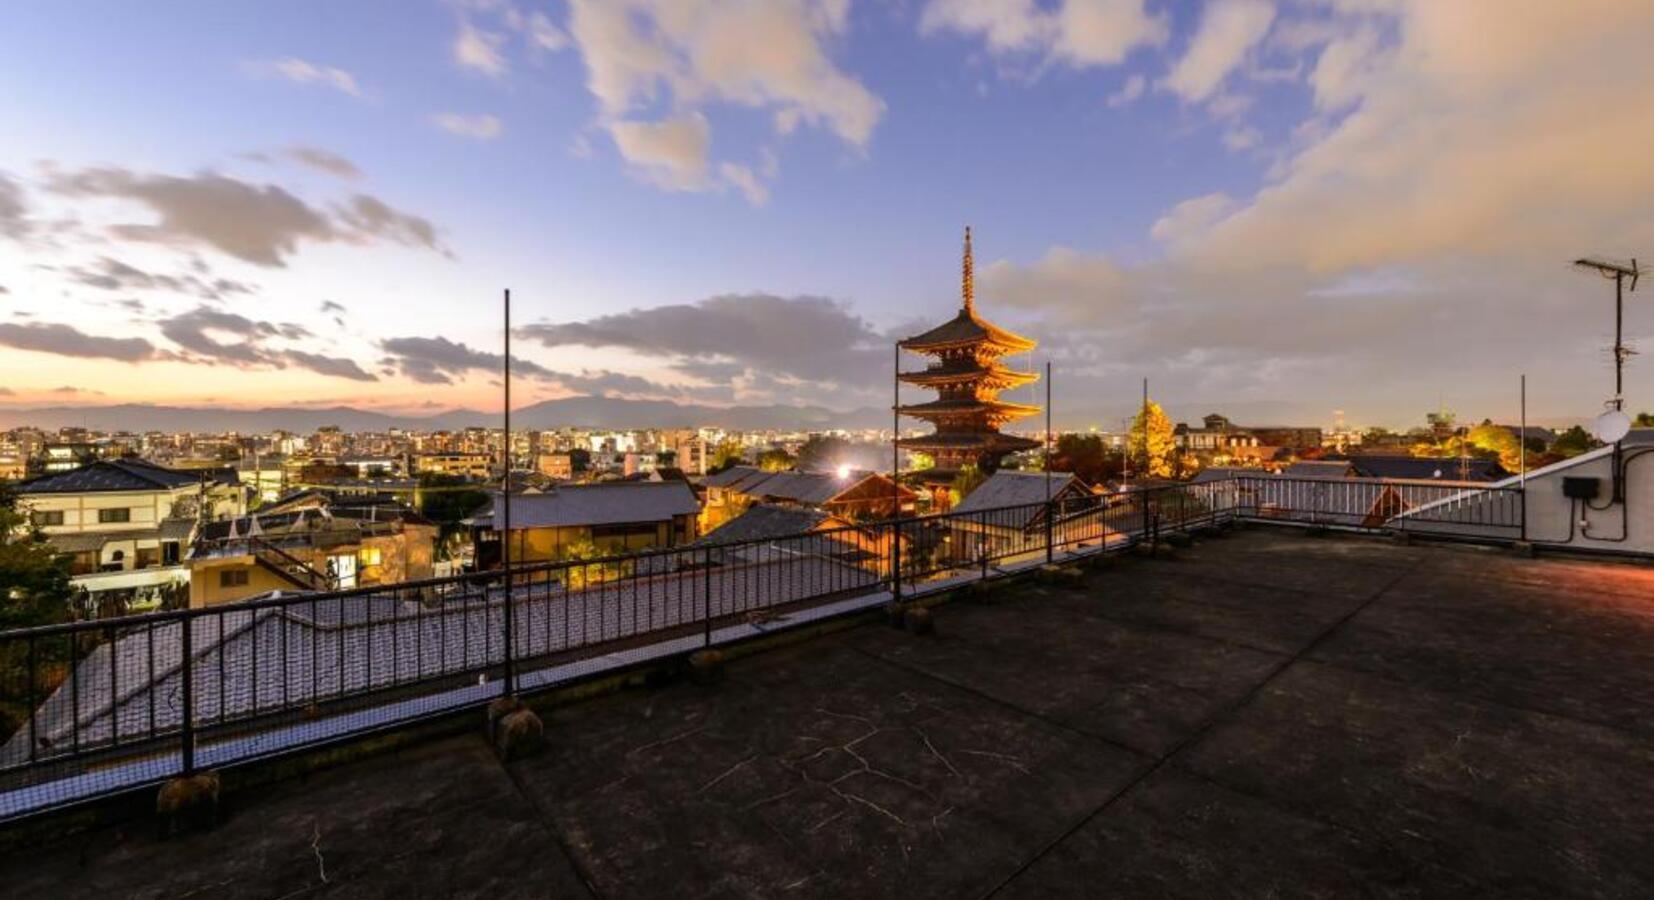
966	328
615	503
763	522
1007	488
113	475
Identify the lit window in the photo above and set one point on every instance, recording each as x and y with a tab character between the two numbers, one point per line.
371	556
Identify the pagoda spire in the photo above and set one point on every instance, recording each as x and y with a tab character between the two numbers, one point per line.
969	285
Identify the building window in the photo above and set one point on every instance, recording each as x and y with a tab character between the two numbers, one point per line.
372	556
107	516
46	518
229	578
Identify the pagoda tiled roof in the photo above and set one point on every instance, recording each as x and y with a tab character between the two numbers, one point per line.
965	329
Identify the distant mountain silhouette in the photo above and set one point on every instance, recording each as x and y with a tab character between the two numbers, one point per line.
589	412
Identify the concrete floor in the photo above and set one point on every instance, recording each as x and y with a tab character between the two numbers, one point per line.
1269	713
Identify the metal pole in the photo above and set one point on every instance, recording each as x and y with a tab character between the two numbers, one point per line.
1619	342
896	474
505	502
1522	457
1050	511
187	623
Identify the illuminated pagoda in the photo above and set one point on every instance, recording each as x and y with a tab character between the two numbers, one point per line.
967	377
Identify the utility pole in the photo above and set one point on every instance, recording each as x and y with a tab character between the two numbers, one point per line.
505	504
1619	272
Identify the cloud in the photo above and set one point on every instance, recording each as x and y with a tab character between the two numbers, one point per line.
372	217
114	275
481	127
301	71
261	224
330	306
1076	33
66	340
1228	30
438	360
738	341
654	65
671	153
1191	218
14	222
324	161
1431	204
1128	92
746	181
332	366
478	50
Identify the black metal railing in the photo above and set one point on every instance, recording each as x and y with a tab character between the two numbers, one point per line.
100	706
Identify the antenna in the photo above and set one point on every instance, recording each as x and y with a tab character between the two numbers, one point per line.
1619	272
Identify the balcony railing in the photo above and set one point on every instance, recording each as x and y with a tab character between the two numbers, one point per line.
92	708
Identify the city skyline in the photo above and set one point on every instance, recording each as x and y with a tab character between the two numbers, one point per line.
1276	210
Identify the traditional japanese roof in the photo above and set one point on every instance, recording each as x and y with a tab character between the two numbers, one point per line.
994	374
991	440
108	475
966	328
963	330
615	503
764	521
963	405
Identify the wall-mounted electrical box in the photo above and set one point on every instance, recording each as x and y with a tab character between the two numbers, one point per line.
1578	488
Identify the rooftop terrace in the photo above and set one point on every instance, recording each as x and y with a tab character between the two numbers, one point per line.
1268	713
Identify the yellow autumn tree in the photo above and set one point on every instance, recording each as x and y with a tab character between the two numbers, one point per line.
1153	449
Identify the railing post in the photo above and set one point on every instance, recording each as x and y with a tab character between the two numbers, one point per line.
510	650
706	595
187	677
1050	530
896	558
1143	501
1522	508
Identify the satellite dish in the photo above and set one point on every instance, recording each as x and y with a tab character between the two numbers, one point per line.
1611	427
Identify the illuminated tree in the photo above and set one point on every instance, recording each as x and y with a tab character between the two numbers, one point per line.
969	479
1643	420
1496	440
775	459
1152	444
726	454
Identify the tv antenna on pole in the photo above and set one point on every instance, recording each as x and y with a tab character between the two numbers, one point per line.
1619	272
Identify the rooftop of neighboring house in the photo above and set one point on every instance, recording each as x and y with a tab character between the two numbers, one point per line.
764	521
1012	488
809	488
125	475
609	503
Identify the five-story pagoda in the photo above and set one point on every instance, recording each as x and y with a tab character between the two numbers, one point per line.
967	377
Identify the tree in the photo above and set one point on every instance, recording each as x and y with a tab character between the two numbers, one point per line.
1153	448
823	454
1496	440
775	459
1643	420
445	500
580	459
34	578
968	479
725	455
1087	457
1573	442
34	590
666	458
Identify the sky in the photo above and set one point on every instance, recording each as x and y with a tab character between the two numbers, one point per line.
1279	209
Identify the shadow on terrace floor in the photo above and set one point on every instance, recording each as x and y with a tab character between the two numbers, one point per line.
1267	713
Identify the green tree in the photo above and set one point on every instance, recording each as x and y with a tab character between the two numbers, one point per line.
1086	456
445	500
34	590
725	455
775	459
1573	442
666	458
1153	448
968	479
34	578
1643	420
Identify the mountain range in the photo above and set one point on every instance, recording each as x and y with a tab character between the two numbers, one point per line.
584	411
